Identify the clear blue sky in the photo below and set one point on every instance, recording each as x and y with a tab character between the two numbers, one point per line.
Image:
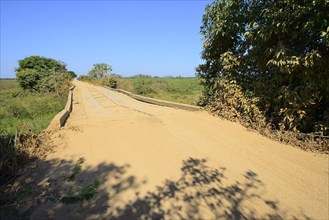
158	38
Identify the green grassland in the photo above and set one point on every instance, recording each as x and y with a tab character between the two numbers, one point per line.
23	110
178	89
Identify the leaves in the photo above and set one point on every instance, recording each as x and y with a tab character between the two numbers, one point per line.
276	53
100	70
41	74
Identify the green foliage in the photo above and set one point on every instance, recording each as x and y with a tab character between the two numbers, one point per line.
109	81
276	53
19	107
42	74
142	86
72	74
100	70
28	78
41	64
176	89
85	78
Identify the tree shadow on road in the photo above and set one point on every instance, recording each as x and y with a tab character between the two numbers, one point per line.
201	192
40	191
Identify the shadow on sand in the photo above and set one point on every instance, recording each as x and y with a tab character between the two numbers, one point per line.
201	192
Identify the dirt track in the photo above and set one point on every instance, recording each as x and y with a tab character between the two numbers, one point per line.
158	162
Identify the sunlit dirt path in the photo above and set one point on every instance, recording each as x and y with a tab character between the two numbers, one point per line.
157	162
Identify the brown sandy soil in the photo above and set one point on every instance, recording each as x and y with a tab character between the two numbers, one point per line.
157	162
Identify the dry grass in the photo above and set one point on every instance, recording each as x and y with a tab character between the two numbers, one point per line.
19	151
232	104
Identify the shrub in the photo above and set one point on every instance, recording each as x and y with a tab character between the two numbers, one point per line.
85	78
42	74
142	86
125	85
160	86
109	81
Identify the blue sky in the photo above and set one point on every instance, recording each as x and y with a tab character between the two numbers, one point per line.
158	38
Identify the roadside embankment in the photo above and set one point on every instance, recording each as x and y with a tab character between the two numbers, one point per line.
59	120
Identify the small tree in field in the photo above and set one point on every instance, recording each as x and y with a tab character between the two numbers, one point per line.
100	70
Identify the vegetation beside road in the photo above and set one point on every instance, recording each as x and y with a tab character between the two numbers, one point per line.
267	67
185	90
23	109
23	114
27	105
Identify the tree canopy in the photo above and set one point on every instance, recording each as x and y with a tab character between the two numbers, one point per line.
72	74
100	70
41	74
41	64
270	57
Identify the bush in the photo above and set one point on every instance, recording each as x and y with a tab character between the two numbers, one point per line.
125	85
142	86
85	78
109	81
232	103
160	86
42	74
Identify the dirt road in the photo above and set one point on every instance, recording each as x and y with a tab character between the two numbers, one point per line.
158	162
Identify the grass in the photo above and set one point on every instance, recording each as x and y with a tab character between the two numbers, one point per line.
22	115
180	89
20	109
6	84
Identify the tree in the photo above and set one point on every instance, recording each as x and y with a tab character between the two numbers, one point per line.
100	70
274	55
72	74
41	64
28	78
41	74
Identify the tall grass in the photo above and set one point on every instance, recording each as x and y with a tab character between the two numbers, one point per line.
6	84
24	109
22	115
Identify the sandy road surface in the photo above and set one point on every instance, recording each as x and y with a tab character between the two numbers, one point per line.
157	162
